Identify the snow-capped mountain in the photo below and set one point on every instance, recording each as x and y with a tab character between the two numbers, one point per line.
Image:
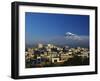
69	39
72	36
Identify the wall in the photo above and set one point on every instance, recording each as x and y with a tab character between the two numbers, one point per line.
5	40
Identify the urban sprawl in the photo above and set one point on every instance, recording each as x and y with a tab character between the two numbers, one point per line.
51	55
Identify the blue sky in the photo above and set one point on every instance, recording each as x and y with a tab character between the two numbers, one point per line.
43	26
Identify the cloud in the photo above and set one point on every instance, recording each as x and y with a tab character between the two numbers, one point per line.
72	36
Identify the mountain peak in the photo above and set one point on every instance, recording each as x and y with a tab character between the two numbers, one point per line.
72	36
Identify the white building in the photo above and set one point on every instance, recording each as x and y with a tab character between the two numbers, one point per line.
49	45
40	45
54	60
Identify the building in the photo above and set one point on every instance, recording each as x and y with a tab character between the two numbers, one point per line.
30	53
49	45
40	45
55	60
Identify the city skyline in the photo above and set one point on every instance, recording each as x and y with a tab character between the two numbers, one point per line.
54	56
52	28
